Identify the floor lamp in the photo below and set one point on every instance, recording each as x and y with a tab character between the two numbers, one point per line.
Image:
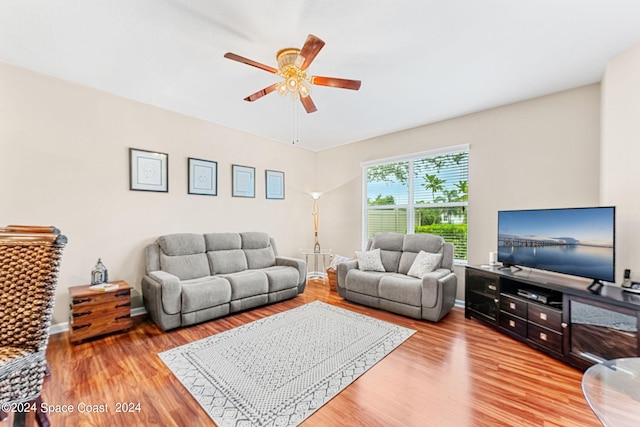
314	212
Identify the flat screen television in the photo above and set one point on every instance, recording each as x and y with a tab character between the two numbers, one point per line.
574	241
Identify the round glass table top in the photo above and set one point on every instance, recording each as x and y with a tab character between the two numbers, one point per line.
612	389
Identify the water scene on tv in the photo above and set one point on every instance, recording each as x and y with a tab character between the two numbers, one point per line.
579	242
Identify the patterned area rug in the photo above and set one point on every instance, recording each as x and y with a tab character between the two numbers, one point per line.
279	370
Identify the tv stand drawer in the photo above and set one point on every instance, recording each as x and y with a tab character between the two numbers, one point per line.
513	324
515	306
545	337
545	316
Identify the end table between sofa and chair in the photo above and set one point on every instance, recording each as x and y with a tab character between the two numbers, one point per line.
94	313
319	257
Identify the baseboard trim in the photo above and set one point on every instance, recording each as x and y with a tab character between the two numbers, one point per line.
59	328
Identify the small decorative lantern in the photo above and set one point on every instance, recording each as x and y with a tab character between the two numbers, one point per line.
99	274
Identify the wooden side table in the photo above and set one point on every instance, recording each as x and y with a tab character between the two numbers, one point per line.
333	280
95	313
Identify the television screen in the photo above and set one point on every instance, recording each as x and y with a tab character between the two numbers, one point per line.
576	241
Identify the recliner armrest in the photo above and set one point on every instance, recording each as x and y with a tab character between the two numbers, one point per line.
296	263
171	290
439	284
343	269
434	276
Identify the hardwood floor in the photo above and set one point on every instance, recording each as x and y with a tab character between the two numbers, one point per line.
456	373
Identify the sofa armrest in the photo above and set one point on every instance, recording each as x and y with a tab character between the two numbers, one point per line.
343	269
171	290
438	285
296	263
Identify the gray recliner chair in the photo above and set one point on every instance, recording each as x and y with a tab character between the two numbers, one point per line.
429	297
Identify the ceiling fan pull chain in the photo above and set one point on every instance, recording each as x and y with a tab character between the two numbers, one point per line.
295	124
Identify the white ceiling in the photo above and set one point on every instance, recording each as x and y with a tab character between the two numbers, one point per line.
420	61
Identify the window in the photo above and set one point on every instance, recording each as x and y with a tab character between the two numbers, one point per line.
421	193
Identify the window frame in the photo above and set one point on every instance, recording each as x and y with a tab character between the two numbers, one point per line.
411	206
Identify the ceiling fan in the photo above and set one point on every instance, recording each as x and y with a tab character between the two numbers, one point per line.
292	66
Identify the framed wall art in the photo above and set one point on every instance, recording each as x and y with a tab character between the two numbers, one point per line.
203	177
148	170
243	180
274	181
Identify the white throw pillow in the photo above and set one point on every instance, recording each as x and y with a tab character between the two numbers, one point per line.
370	260
424	263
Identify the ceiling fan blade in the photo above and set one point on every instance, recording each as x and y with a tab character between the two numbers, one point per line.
251	62
308	104
308	52
335	82
259	94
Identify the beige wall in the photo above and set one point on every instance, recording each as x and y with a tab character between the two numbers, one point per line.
541	153
64	161
621	155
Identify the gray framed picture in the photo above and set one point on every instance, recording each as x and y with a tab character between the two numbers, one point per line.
203	177
148	170
274	181
243	180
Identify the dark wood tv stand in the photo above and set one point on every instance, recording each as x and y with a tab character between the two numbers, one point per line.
555	314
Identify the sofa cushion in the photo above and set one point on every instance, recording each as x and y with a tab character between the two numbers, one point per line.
422	242
390	260
387	241
227	261
406	261
364	282
260	258
254	240
424	263
413	244
370	260
222	241
247	283
281	277
402	289
182	244
186	266
205	292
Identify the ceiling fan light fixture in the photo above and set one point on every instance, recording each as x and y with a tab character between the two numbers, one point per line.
287	57
295	80
293	84
292	67
282	88
304	89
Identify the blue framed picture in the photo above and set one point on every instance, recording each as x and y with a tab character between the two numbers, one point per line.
203	177
148	171
274	181
243	181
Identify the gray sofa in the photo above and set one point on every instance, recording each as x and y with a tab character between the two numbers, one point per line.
430	297
191	278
